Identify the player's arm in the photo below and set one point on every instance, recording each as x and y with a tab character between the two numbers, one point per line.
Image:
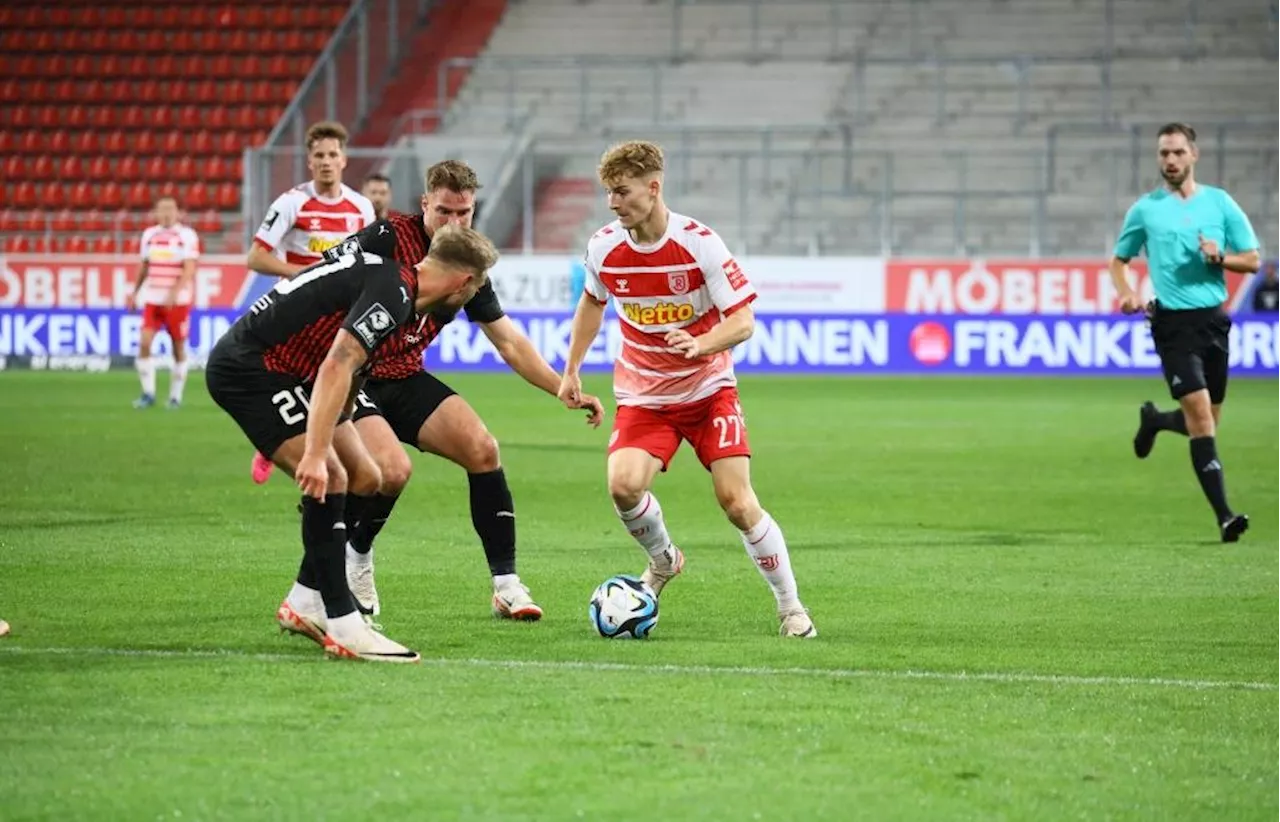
377	238
736	328
1239	236
333	388
587	319
732	295
279	220
518	352
137	285
191	252
1133	235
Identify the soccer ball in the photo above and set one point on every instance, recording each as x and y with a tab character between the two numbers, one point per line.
623	607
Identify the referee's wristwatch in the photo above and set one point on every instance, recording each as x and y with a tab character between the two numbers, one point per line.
1215	259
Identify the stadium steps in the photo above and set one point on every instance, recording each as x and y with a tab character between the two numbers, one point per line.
561	205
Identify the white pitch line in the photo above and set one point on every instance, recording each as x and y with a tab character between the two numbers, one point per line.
700	670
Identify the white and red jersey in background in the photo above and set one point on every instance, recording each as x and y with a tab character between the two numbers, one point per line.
165	249
301	225
686	280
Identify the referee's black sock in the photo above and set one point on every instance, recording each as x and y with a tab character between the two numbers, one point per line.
494	518
1171	421
1204	458
324	537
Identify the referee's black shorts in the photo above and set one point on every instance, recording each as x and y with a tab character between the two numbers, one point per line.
1194	347
406	404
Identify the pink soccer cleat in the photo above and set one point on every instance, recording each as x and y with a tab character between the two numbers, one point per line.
261	468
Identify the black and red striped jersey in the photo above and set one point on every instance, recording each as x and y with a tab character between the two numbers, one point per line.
403	237
290	329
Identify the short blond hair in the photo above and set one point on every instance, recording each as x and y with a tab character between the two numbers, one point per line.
463	248
327	130
635	158
454	175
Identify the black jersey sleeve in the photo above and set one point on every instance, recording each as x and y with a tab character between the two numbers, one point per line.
376	238
484	306
383	305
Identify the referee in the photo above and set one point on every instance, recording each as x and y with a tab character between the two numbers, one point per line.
1187	229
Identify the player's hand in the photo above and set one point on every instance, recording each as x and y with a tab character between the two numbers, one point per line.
595	409
1131	303
1209	249
570	392
312	476
133	301
685	343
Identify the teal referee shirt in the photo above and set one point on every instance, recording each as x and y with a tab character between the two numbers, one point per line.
1170	227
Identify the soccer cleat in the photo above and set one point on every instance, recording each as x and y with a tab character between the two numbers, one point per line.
514	602
360	581
261	468
367	644
796	623
657	579
312	626
145	401
174	404
1234	527
1145	439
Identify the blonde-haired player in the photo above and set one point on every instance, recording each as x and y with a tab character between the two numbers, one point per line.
308	220
163	291
683	304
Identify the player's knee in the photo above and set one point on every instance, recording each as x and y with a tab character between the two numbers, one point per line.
1199	415
481	455
396	470
338	483
740	506
627	490
365	478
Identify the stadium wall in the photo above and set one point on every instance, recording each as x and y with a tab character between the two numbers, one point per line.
816	315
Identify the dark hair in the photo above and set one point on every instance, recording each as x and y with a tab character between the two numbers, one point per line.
327	130
1179	128
454	175
378	177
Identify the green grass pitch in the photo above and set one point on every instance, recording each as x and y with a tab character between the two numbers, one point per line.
1018	620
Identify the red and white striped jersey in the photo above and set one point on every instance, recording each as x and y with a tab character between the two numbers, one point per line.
164	250
301	225
686	280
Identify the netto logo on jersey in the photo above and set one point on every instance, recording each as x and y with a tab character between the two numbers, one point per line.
319	245
660	314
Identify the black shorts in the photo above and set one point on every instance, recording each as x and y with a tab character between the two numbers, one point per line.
406	404
1194	347
270	408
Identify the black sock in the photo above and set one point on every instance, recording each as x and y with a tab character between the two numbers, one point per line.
307	572
1171	421
376	512
1204	458
494	518
324	537
355	514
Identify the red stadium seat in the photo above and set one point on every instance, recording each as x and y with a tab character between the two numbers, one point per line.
133	118
103	117
220	169
185	170
146	143
244	118
159	117
76	244
279	17
34	222
202	143
32	141
155	169
64	220
238	42
205	92
17	244
293	41
76	117
113	17
132	245
84	142
222	68
230	143
24	195
110	196
127	169
197	197
8	220
64	91
215	117
93	220
48	116
100	169
6	141
53	196
228	197
82	66
71	168
138	196
143	17
42	168
209	222
172	142
189	117
15	168
114	142
104	244
41	244
149	91
183	41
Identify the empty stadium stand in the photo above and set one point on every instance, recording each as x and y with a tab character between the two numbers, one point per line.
107	104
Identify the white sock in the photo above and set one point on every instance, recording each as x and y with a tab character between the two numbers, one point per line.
147	375
354	557
767	547
177	380
501	581
305	600
648	528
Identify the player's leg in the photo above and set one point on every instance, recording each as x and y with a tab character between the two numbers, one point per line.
449	427
721	442
642	444
367	510
178	323
145	365
1216	373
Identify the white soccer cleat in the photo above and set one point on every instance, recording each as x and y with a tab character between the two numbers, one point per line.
295	621
360	581
514	602
796	623
657	578
361	641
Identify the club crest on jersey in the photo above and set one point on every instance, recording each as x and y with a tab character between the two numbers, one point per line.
678	281
373	324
